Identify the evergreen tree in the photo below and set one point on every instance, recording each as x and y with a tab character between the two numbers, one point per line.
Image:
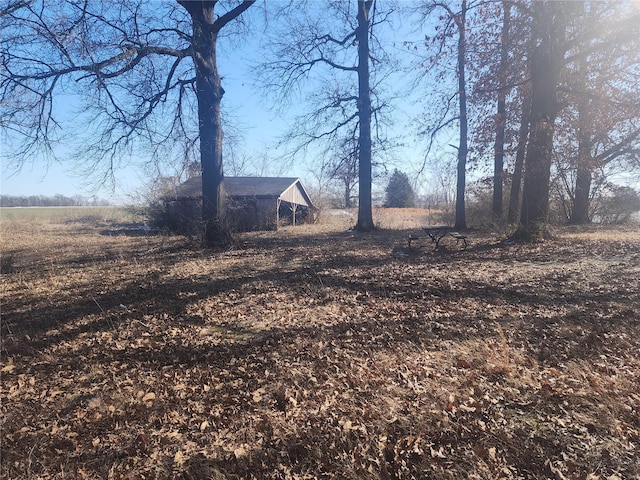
399	192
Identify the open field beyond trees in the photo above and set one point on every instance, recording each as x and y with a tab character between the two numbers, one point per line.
317	352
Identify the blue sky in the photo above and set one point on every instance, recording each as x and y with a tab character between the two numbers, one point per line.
60	178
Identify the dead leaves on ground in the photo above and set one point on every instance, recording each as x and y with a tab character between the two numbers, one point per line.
326	356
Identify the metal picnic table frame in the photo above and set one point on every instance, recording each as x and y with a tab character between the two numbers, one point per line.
437	233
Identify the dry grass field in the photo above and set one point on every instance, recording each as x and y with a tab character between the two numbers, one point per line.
317	352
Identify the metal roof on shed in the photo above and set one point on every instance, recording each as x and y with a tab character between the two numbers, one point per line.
289	189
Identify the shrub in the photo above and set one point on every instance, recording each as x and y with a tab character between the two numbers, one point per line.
618	205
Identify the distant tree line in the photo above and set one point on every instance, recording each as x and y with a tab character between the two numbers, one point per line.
609	203
50	201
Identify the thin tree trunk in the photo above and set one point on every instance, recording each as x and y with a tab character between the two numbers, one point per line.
501	117
365	207
518	167
347	194
580	211
460	221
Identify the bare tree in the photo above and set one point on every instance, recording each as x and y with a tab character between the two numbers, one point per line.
365	206
454	25
328	45
343	167
142	69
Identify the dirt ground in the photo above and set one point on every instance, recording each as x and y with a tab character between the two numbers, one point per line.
317	352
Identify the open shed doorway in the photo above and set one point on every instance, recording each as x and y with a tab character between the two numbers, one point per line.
292	214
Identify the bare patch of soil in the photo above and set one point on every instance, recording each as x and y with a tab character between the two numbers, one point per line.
320	353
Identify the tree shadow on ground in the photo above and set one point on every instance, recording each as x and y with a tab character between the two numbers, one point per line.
302	268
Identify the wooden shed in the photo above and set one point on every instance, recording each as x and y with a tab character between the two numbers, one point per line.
253	203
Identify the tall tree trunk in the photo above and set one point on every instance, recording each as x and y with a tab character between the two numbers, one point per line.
365	207
547	62
461	221
209	92
521	149
501	117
